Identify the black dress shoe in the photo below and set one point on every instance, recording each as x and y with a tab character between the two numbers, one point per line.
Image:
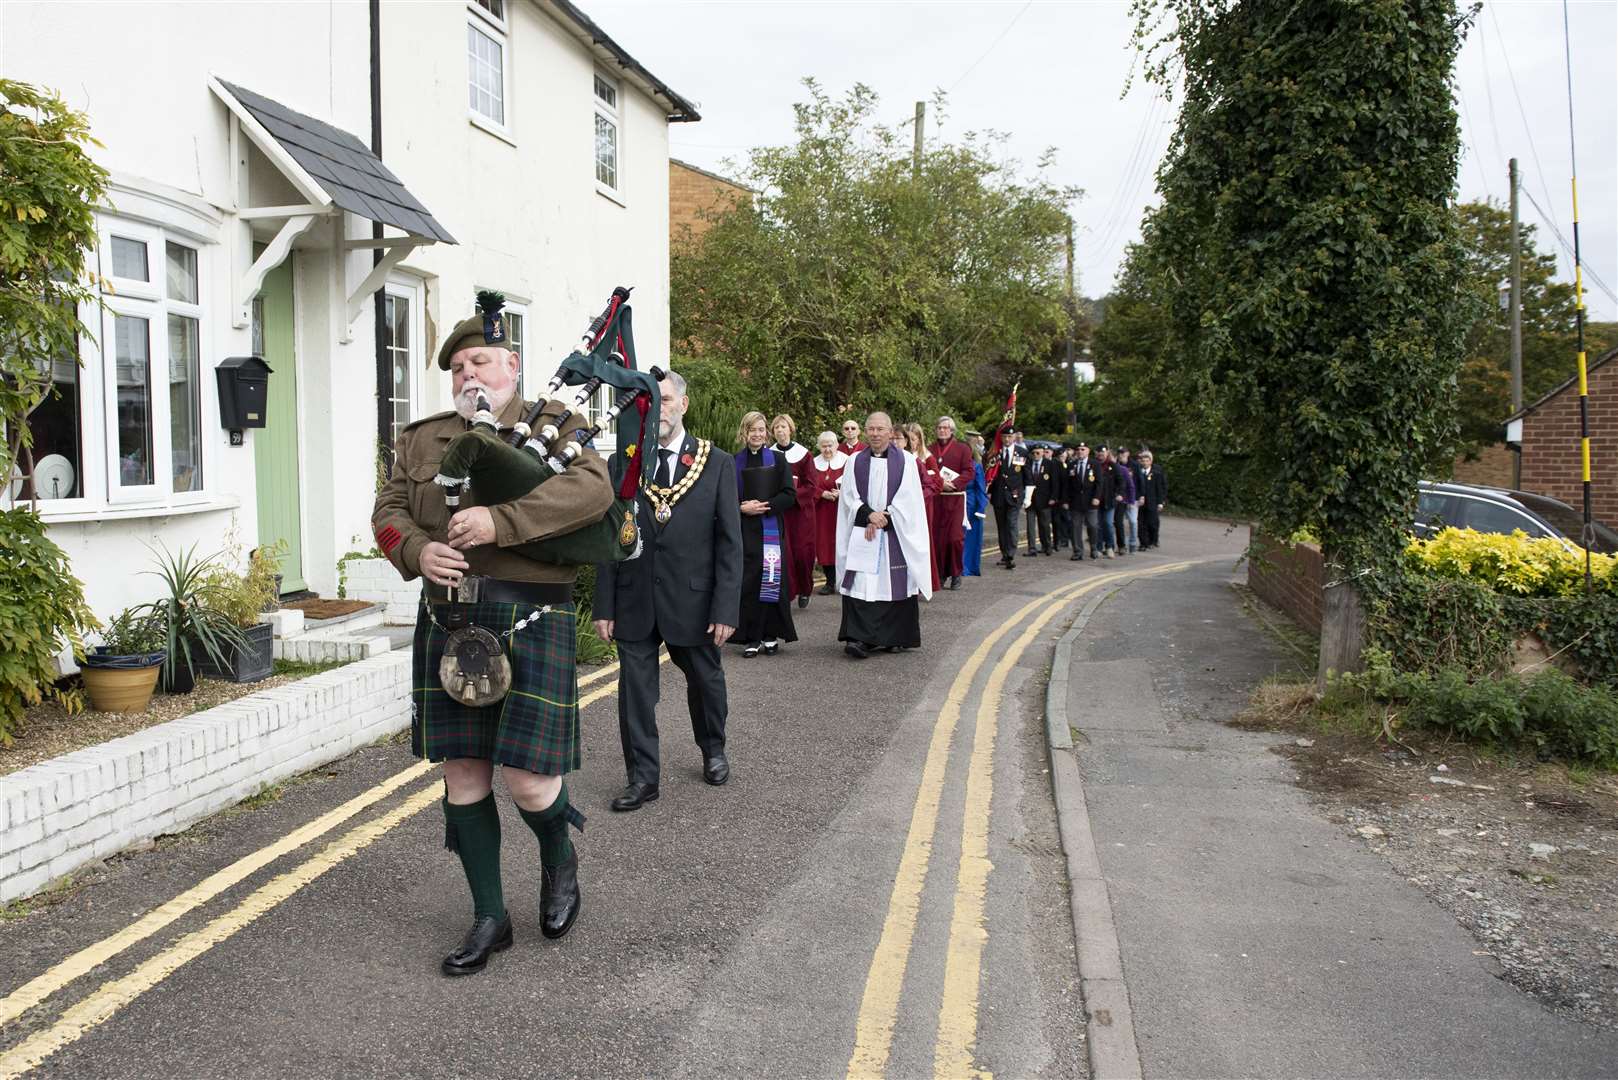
716	769
488	936
955	582
826	589
559	896
856	649
1075	557
634	796
803	601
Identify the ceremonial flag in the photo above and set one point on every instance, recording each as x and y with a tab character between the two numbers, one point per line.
991	465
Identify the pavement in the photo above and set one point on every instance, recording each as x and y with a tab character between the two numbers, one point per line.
880	890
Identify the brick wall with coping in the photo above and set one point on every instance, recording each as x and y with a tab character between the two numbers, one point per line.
695	196
59	815
376	581
1550	446
1288	577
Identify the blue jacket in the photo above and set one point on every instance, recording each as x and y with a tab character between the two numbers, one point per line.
977	497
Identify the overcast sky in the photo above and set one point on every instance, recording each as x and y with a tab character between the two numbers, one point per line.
1052	74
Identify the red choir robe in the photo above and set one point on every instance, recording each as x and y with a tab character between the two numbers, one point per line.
857	446
800	522
930	486
826	477
948	539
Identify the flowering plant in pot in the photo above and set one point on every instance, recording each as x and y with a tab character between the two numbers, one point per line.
242	597
121	672
195	624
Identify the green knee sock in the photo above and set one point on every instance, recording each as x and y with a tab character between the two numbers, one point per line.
473	831
550	825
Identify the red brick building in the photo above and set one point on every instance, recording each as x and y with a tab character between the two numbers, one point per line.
1548	433
696	196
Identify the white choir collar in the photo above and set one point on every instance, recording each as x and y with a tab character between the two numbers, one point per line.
794	453
837	462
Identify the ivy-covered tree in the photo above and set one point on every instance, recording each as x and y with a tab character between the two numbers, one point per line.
854	280
1319	275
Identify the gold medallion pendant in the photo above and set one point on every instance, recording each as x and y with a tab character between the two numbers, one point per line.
664	498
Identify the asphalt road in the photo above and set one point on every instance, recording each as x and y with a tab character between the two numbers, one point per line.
840	901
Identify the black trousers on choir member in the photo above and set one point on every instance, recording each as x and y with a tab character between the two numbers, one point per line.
1006	519
1151	520
882	623
638	693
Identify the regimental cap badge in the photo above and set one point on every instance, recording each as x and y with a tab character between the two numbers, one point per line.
490	306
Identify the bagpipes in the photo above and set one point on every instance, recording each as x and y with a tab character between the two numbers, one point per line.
552	436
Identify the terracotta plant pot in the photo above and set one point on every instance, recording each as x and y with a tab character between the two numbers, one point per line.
121	690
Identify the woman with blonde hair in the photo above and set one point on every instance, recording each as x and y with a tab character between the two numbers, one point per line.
800	519
766	489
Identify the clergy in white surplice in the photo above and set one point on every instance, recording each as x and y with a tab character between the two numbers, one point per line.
883	546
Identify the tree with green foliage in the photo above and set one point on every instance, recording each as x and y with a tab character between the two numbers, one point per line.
1548	338
49	188
1319	275
853	280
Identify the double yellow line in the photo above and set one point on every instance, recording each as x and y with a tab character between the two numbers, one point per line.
104	1002
957	1021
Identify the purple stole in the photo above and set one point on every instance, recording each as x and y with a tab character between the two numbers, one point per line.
898	571
769	584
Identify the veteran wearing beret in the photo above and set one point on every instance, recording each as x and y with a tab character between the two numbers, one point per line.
483	599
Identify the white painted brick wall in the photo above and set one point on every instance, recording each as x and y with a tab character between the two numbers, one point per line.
377	582
61	814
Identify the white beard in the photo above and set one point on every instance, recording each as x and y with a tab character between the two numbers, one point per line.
466	404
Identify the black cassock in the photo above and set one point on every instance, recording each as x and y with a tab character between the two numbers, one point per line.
763	621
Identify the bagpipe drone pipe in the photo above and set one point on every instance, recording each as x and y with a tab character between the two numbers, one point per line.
553	435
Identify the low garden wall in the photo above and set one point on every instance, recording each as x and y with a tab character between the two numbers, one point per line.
1290	577
377	581
57	816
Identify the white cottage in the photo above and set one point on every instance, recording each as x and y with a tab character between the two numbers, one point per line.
325	186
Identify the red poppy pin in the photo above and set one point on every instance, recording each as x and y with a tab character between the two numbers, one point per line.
687	460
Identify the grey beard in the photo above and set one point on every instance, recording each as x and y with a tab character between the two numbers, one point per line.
466	403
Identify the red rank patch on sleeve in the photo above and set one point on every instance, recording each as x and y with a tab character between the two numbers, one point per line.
388	537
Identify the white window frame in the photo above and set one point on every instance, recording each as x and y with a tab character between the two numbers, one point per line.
149	301
520	308
613	113
411	289
485	22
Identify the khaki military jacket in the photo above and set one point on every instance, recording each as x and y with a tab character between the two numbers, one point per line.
410	510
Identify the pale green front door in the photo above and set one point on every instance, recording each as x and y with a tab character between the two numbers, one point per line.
275	445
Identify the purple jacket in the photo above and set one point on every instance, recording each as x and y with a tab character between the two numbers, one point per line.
1126	481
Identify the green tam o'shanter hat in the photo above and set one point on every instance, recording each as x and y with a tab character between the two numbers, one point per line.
486	328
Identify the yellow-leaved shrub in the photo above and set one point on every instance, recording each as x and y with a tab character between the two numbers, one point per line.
1512	564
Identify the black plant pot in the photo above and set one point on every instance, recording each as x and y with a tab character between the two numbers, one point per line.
249	664
178	676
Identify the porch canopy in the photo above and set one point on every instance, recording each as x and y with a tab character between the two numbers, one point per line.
333	172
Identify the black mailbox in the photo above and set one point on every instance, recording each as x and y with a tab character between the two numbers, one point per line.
244	390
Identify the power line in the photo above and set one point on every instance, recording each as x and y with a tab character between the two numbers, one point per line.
1471	144
1544	187
1589	271
1117	204
1021	11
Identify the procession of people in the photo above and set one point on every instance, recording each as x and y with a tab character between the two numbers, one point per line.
713	546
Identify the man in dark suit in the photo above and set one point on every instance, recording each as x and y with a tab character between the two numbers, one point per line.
1152	493
1006	495
1080	490
683	591
1042	478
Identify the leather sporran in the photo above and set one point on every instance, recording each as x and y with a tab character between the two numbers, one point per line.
474	670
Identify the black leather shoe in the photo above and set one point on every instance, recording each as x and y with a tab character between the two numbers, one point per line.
716	769
1075	557
559	896
825	590
488	936
803	601
955	582
856	649
634	796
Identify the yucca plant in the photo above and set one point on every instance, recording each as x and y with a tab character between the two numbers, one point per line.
196	624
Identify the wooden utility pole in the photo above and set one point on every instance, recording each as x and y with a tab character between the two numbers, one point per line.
921	124
1072	317
1516	318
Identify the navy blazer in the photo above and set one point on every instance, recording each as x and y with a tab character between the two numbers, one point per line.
689	572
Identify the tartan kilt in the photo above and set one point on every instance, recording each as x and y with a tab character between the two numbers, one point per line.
535	726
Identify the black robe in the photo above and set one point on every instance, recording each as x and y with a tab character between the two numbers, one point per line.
761	621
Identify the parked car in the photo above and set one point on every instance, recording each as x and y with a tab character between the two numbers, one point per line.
1498	510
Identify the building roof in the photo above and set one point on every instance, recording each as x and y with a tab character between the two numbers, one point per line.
344	167
680	109
1563	385
738	185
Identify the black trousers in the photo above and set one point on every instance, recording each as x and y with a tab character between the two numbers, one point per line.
1062	524
1150	521
638	692
1005	523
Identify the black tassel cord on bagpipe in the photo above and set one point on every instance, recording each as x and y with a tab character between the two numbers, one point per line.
540	446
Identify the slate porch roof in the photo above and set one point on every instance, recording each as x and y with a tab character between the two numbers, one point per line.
343	166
